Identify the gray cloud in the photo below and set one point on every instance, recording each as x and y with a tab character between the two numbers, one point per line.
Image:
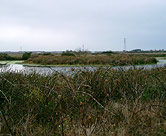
100	25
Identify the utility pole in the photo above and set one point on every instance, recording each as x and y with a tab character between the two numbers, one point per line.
125	44
83	47
20	43
21	48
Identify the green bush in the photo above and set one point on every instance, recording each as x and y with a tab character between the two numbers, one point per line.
67	54
4	56
26	55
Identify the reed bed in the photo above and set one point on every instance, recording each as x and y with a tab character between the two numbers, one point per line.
114	59
102	102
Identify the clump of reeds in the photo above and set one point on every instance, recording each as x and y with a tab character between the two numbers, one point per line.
99	102
114	59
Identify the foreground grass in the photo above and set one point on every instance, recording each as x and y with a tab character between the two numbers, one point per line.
114	59
100	102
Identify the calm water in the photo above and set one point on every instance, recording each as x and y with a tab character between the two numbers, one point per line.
47	70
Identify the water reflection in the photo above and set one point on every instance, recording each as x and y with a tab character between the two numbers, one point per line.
48	70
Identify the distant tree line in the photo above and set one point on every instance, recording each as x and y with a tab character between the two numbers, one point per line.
5	56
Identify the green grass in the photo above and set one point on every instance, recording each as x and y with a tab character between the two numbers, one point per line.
161	58
99	102
11	62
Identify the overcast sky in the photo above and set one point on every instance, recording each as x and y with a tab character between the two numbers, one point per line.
55	25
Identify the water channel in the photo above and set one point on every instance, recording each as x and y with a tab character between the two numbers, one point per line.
10	66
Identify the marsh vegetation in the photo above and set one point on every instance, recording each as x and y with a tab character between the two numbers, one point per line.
99	102
90	59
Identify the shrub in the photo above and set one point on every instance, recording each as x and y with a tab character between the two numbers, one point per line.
26	55
4	56
98	102
67	54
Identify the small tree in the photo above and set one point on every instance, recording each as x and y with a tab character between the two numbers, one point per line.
26	55
68	53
